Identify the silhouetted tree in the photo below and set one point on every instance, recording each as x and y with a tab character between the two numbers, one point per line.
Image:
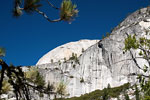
21	82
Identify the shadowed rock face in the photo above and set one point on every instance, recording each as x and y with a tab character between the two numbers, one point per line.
102	63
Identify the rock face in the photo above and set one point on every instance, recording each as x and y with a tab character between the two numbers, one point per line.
65	51
102	63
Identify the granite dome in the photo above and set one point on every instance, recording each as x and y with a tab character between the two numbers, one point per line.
65	51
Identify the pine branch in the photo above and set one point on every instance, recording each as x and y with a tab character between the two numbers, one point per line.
135	61
133	58
135	74
52	5
46	17
2	74
146	54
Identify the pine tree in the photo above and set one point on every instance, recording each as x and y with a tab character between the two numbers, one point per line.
105	94
61	89
126	97
39	81
137	93
143	45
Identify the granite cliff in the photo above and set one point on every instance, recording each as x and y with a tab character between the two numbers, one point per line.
102	62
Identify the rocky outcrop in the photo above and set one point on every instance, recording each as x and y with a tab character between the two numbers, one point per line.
102	63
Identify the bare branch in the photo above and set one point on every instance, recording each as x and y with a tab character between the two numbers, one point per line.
41	90
135	74
45	16
134	59
145	52
52	5
127	59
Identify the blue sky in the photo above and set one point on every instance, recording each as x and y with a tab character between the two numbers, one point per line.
29	37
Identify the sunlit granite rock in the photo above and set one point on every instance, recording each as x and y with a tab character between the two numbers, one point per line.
101	63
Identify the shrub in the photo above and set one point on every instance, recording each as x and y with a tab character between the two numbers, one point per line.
34	76
82	50
6	87
52	60
82	80
71	77
61	89
74	66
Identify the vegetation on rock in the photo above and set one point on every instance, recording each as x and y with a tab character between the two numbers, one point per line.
101	94
6	87
61	89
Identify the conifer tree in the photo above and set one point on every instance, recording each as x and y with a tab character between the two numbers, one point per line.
20	82
137	93
61	89
105	94
142	44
